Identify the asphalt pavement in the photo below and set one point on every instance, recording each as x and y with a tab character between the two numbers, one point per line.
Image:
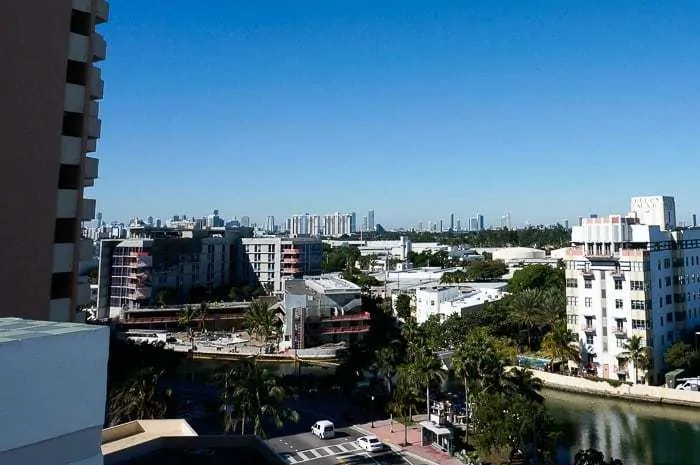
342	450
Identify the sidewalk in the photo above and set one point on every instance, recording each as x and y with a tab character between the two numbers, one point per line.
383	430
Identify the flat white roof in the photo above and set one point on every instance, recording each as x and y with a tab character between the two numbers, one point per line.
329	284
18	329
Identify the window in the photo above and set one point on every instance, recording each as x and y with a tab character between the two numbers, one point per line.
668	281
589	339
588	302
602	293
618	284
637	285
637	305
571	319
571	283
669	299
639	324
571	300
588	284
619	303
620	343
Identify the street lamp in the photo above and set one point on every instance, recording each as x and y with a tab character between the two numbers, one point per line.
372	411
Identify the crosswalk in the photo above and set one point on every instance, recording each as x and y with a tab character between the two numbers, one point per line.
321	452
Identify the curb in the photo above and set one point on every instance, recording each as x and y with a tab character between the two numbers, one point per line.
396	448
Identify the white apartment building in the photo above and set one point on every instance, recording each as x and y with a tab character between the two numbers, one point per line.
272	260
445	301
627	277
334	225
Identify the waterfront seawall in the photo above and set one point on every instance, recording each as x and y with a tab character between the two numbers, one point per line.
638	392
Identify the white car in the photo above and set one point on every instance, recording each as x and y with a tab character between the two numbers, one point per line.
370	443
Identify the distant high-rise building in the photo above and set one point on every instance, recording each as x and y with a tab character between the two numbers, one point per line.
270	226
99	219
49	95
370	220
420	226
245	221
452	221
566	224
365	225
441	226
695	220
459	225
159	223
505	221
149	220
353	225
480	218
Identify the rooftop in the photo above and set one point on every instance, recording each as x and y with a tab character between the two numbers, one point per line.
18	329
330	285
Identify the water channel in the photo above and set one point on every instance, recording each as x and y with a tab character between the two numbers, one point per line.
636	433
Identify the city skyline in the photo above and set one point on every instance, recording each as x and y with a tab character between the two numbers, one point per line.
338	105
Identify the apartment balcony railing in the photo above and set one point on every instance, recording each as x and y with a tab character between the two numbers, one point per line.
292	270
363	316
291	252
175	319
620	333
589	329
340	330
290	261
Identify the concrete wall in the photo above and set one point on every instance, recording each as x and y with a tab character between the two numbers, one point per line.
53	392
638	392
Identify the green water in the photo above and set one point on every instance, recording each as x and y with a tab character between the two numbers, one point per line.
636	433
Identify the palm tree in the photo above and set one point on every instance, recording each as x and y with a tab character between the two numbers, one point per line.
385	363
187	316
139	397
250	394
426	369
202	313
559	344
464	365
527	310
404	397
261	321
522	382
635	351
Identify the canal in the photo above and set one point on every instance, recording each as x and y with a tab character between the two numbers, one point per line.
636	433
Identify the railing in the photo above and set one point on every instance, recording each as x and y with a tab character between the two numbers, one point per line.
619	332
588	328
292	261
341	330
291	252
176	319
351	317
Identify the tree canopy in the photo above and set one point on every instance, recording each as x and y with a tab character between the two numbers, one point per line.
537	277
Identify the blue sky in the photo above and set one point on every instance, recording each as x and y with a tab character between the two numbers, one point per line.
544	109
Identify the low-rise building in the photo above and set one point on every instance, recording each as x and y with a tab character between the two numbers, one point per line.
133	271
270	261
321	310
444	301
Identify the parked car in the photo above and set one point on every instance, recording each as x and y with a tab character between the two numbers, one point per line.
323	429
370	443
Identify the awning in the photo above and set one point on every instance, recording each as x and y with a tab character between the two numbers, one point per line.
439	430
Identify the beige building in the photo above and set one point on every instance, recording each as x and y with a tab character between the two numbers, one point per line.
49	122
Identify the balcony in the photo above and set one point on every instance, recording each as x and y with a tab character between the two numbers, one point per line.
290	261
617	274
86	251
63	258
350	317
78	47
88	212
620	333
91	145
587	274
67	203
60	310
588	329
94	128
97	85
292	270
70	150
290	251
90	168
99	47
101	11
341	330
74	98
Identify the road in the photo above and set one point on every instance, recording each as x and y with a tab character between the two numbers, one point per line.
342	450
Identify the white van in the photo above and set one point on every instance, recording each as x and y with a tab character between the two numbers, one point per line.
690	385
324	429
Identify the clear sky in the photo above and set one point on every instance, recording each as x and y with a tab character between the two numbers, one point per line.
546	109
